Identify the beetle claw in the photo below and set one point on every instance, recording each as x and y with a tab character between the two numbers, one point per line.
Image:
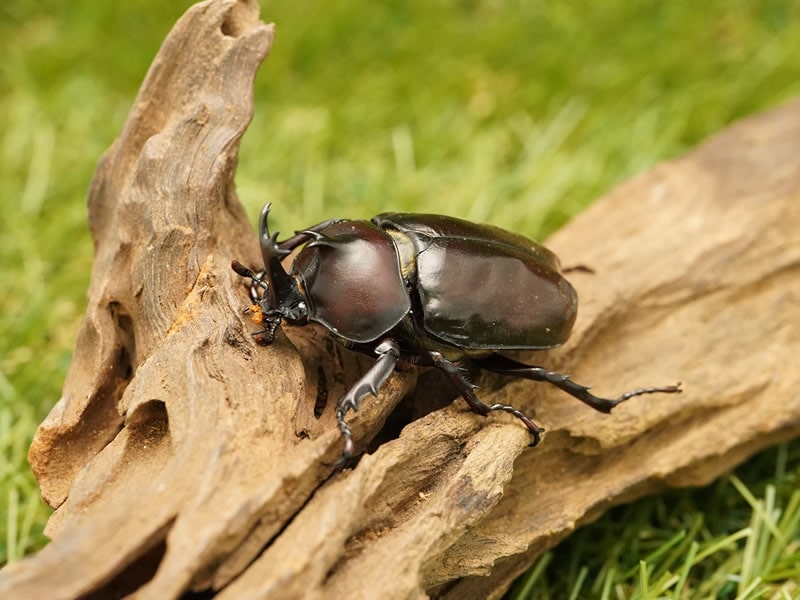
349	450
347	456
537	437
670	389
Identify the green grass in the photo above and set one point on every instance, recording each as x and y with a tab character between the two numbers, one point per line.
519	113
726	541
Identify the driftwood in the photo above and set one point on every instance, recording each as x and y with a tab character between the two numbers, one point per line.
182	456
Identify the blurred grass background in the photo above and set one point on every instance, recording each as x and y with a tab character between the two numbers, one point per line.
518	113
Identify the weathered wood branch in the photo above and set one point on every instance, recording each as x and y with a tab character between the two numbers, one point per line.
183	456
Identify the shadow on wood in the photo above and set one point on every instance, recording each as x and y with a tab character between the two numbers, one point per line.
182	456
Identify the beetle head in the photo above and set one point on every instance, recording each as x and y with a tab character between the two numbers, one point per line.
274	292
282	298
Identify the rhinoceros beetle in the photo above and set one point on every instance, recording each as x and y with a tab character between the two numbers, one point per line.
426	289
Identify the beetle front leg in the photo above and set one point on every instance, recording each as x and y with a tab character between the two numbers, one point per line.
372	381
466	389
506	366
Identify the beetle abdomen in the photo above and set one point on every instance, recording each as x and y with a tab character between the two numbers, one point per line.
481	295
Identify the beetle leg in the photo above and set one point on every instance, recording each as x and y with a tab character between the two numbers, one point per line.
506	366
370	383
269	329
466	389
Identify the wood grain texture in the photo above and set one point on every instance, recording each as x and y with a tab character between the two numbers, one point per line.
182	456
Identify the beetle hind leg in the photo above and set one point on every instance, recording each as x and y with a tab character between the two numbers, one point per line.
467	391
370	383
506	366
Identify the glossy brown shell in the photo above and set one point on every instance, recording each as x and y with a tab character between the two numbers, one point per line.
352	282
482	287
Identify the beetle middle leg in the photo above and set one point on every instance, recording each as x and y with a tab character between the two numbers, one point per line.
467	391
370	383
506	366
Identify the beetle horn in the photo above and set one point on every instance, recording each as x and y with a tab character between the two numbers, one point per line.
281	285
269	243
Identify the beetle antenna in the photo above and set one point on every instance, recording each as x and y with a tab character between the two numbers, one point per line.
242	271
257	279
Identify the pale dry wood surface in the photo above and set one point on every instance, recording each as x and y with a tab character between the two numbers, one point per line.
182	456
